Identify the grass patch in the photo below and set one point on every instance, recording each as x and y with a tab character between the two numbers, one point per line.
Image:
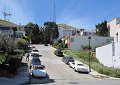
83	56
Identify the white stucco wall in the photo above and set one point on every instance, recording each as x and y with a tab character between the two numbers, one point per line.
116	61
80	41
109	55
104	55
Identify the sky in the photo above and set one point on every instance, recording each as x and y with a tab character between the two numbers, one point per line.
78	13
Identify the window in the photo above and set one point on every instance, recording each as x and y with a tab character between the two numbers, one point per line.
72	39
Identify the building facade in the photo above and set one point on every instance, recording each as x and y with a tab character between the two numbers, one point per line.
114	26
78	42
7	30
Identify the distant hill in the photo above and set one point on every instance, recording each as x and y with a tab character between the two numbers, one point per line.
66	26
7	23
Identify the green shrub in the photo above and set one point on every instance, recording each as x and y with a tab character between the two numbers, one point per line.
22	43
86	47
2	58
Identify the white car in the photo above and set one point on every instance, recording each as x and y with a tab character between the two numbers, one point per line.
38	71
79	67
35	52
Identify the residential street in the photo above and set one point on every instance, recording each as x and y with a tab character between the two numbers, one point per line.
60	74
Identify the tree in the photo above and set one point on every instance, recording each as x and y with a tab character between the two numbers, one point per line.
51	31
7	44
102	29
33	32
22	43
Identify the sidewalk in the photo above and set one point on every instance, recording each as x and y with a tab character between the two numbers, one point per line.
21	77
97	75
100	76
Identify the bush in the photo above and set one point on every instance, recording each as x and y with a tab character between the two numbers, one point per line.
84	55
56	43
86	47
14	64
22	43
2	58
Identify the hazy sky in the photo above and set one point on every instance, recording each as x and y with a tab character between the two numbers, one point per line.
78	13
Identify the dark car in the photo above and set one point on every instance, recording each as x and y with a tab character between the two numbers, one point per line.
35	61
67	59
35	50
58	52
45	44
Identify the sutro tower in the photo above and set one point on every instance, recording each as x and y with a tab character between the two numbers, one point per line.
7	15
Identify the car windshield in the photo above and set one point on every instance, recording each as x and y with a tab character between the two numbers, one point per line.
35	55
36	61
71	60
37	67
35	51
80	64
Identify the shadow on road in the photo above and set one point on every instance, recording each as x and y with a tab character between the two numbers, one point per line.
34	80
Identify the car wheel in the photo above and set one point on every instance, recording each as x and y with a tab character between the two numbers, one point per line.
75	70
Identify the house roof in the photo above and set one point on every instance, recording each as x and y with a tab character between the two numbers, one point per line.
7	24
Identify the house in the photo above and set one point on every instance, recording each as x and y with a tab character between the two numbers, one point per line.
78	42
114	26
109	55
87	32
64	32
6	29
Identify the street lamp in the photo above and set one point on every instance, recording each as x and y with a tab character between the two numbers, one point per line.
89	38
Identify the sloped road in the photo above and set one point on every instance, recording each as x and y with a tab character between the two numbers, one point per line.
60	74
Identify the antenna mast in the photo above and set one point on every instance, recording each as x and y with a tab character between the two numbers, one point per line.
54	12
6	15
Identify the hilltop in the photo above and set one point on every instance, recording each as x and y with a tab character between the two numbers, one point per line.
6	23
66	26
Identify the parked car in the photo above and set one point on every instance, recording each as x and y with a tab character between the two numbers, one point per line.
28	49
67	59
38	71
34	54
58	52
45	44
35	61
35	50
79	67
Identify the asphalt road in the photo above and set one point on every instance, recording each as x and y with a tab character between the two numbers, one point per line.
60	74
